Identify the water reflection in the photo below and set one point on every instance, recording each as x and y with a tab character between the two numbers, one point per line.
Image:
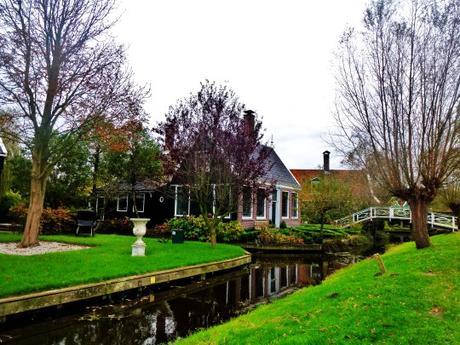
160	316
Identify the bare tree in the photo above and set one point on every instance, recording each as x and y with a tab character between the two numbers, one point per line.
214	152
59	72
398	89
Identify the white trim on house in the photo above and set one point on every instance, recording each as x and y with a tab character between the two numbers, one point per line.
243	217
286	187
257	207
118	204
176	186
141	196
278	208
300	186
288	201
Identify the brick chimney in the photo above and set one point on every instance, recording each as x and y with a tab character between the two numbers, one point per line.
249	123
326	166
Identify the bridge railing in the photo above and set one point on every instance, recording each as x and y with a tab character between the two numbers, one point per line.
390	213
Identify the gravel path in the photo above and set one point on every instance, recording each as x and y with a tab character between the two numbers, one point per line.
11	248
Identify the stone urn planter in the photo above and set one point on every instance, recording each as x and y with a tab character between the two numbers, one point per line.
138	248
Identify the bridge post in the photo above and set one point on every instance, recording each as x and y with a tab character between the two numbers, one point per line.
432	219
391	213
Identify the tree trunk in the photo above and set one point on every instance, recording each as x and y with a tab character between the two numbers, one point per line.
455	208
419	229
212	229
35	210
133	196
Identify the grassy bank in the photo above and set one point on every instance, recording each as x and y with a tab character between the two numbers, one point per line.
416	302
109	257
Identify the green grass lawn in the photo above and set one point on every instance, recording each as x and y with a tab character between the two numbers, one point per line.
416	302
109	258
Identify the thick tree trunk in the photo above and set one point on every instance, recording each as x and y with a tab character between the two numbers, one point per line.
35	210
455	208
419	229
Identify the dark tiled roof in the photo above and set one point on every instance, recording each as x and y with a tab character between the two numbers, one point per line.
3	151
278	172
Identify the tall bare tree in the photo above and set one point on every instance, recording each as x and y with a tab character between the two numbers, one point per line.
214	152
60	71
398	89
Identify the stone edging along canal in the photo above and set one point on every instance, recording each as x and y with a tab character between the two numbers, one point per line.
18	304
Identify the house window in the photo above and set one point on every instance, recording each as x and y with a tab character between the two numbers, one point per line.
182	201
140	202
247	203
295	205
285	204
122	203
315	181
261	204
100	204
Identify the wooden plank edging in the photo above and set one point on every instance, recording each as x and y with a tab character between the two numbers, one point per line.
17	304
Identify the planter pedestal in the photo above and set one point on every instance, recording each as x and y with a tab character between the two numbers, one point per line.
139	230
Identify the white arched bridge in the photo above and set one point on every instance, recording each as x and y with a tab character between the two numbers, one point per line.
438	220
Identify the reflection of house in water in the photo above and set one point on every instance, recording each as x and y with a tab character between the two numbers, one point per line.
268	281
160	316
215	303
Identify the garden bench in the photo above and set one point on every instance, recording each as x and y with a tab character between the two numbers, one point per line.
86	219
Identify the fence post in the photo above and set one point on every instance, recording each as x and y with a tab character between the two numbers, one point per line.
432	220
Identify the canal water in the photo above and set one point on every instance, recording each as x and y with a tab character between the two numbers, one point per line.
161	314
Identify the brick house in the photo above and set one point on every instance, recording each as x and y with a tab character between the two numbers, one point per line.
282	205
356	180
255	208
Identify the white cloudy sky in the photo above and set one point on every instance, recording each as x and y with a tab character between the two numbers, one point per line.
276	55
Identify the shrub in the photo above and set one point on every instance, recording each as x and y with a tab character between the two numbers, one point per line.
115	226
271	237
53	221
8	201
162	230
194	227
283	225
249	235
229	232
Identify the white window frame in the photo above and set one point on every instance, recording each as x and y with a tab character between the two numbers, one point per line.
118	203
252	207
97	202
265	207
296	198
143	202
288	208
176	200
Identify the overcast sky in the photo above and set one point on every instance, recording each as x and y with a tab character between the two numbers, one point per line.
276	55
